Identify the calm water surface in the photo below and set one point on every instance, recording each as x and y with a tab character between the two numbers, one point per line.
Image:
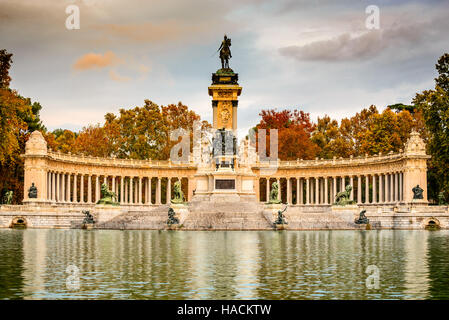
223	265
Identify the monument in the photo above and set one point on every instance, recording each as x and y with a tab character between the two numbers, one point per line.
228	177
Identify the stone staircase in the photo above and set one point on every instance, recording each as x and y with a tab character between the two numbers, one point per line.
226	216
152	218
317	218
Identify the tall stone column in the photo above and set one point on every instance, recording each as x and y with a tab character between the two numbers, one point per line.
121	190
75	191
113	183
131	185
401	188
326	195
63	182
168	190
158	191
334	189
367	189
308	190
126	184
82	188
374	189
97	188
391	187
68	189
396	187
359	189
48	186
297	190
140	190
381	188
150	195
58	190
268	189
351	183
387	188
317	190
89	188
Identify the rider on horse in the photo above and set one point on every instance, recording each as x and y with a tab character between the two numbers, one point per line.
225	52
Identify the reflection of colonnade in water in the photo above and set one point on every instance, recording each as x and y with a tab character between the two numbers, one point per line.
327	264
273	265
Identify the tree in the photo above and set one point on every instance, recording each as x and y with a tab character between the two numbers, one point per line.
435	107
294	132
18	117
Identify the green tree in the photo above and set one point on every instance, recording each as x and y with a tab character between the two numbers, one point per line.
435	107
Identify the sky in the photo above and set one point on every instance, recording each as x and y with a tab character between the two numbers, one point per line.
316	55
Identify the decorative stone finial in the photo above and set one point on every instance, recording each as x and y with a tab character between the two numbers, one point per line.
415	145
36	144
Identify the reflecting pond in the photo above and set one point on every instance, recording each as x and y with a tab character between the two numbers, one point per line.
109	264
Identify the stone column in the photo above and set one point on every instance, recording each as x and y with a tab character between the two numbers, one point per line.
374	189
317	190
401	188
97	188
75	191
63	187
359	189
387	189
158	191
58	191
131	185
68	191
168	190
325	190
289	191
391	187
89	188
381	188
121	190
351	183
301	191
367	189
279	185
113	183
82	188
334	189
126	186
307	190
140	190
396	187
149	191
268	189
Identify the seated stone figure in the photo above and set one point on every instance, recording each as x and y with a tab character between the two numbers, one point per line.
178	194
274	193
281	218
418	192
343	197
107	197
171	217
362	218
32	191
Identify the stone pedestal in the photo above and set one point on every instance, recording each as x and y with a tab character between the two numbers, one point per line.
181	211
272	210
103	213
349	212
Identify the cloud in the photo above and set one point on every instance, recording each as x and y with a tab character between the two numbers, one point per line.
97	61
116	77
361	44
